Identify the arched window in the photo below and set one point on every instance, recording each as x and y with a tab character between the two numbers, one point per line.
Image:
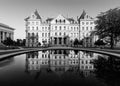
64	21
60	27
60	33
36	28
60	20
56	20
28	34
37	34
64	34
32	34
56	34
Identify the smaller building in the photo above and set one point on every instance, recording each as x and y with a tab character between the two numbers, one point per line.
6	32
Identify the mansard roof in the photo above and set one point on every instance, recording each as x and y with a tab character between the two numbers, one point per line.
49	19
70	19
84	14
36	14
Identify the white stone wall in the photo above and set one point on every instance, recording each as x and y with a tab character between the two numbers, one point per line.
59	27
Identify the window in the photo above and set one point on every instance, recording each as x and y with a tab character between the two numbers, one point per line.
32	34
91	22
82	28
55	27
71	28
60	33
28	28
74	28
71	34
56	21
77	28
64	34
32	28
82	23
64	21
42	34
42	28
37	28
28	34
86	28
36	23
33	16
46	28
91	28
45	34
64	27
74	34
33	23
87	23
60	27
60	20
56	34
28	22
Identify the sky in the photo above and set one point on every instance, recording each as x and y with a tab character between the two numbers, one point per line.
13	12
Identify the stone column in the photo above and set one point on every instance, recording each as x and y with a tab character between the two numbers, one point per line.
0	36
3	36
58	41
12	37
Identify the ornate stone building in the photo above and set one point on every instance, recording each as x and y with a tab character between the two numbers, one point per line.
5	32
58	31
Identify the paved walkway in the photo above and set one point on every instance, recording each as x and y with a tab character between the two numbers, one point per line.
8	53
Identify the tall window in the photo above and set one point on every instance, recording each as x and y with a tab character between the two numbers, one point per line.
37	28
82	23
32	28
87	23
91	28
56	20
45	34
42	34
56	34
46	28
86	28
64	27
64	34
60	33
74	28
42	28
55	27
82	28
71	28
60	27
60	21
64	21
32	34
91	22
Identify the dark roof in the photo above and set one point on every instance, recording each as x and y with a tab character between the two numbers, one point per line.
83	15
6	26
70	19
37	15
49	19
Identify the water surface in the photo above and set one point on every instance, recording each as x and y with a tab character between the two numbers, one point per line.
60	67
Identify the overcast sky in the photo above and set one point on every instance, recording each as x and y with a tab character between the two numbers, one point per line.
13	12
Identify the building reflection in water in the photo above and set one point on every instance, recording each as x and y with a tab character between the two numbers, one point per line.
61	61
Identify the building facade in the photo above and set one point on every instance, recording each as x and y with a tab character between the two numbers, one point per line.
58	31
6	32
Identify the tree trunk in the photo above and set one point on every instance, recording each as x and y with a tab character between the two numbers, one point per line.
112	42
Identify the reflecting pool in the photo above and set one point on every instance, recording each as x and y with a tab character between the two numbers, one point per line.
60	67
